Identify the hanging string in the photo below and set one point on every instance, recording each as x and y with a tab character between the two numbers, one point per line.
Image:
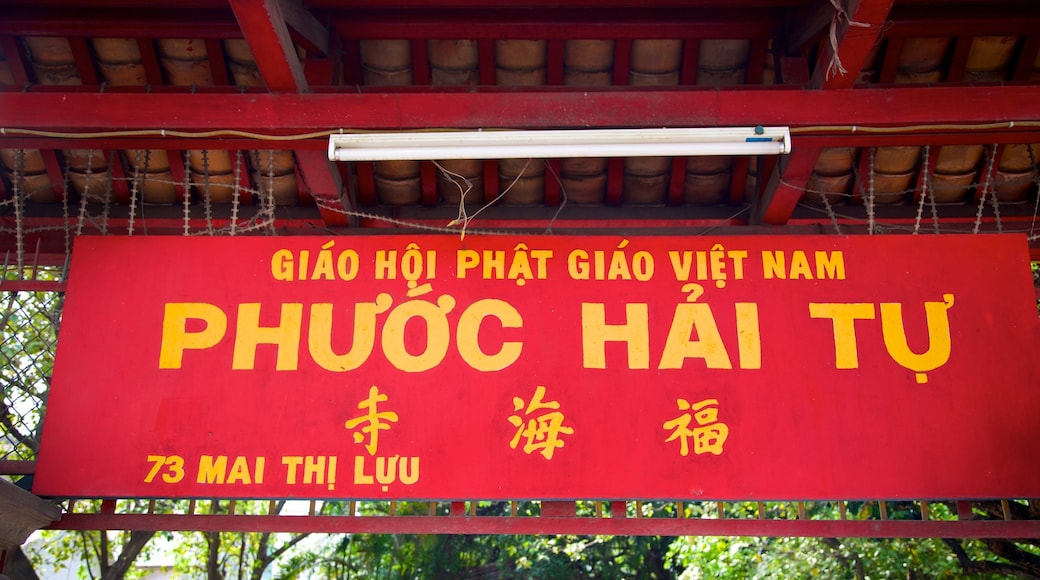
236	192
106	202
144	182
987	185
563	193
18	186
66	181
996	212
206	199
520	174
1036	181
462	217
925	167
86	192
133	193
830	212
871	192
835	66
935	209
270	202
187	192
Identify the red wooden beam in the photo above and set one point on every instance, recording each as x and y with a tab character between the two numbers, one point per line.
264	28
539	5
120	186
835	139
738	180
980	19
806	26
622	61
418	23
123	22
55	173
759	52
1026	58
178	173
677	182
366	184
325	185
429	173
554	62
486	61
15	60
217	63
690	58
846	46
304	27
552	182
785	187
420	63
890	63
150	61
84	60
459	523
856	34
344	62
959	61
543	107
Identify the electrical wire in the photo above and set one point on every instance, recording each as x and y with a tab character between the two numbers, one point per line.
8	131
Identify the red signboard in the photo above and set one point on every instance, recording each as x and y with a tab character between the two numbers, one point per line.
434	367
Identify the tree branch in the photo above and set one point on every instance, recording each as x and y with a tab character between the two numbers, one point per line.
131	549
103	553
5	420
972	566
87	547
18	566
856	566
1020	558
285	547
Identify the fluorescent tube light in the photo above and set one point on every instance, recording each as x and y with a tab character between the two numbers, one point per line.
559	143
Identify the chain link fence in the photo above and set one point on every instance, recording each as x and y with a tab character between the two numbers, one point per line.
30	322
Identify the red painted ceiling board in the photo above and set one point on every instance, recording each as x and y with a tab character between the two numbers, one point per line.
736	387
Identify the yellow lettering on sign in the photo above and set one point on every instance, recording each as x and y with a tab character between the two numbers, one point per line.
708	346
938	351
543	427
212	469
828	265
843	318
175	337
708	438
286	336
595	333
469	327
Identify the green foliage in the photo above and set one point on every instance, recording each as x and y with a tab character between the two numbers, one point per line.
28	335
813	558
1036	281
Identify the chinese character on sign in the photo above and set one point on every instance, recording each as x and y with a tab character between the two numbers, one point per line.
544	424
708	438
377	421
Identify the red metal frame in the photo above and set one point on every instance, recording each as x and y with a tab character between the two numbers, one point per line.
466	524
268	25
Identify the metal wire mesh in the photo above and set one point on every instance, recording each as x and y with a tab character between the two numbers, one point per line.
30	333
